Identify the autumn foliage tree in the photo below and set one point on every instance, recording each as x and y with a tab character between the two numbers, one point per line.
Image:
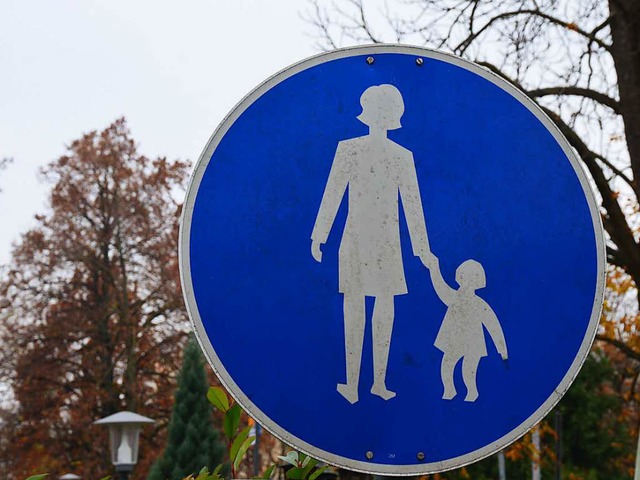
91	309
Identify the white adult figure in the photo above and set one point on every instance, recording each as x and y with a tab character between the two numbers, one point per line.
375	169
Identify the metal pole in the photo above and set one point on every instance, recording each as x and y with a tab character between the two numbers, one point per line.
535	461
256	451
558	445
502	471
124	471
636	475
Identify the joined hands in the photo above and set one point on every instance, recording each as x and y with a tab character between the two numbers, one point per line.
429	260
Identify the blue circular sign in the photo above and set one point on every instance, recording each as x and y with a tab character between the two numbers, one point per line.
393	259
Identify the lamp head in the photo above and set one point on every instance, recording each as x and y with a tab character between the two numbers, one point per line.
124	436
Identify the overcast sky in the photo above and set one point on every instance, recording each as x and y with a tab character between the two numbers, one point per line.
174	69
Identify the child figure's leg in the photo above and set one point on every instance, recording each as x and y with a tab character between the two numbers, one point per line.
353	338
469	372
446	374
383	313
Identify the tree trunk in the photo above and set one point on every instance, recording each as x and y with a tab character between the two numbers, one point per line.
625	49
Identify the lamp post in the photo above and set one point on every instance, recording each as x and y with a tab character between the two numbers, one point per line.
124	436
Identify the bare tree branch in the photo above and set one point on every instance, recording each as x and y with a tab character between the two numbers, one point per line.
3	164
462	46
578	91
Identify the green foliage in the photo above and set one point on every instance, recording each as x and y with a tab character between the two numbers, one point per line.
242	451
204	474
38	477
193	441
268	472
231	421
303	466
218	398
592	433
238	442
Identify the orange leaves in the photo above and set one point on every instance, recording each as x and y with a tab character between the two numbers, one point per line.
525	449
572	26
92	302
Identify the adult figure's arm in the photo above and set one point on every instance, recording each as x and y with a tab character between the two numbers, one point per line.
412	206
443	290
333	193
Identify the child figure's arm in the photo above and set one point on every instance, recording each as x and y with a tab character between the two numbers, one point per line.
490	321
444	291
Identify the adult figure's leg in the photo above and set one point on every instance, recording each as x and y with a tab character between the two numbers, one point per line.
354	312
469	372
383	313
446	374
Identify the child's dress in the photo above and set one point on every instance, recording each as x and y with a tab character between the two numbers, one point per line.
461	333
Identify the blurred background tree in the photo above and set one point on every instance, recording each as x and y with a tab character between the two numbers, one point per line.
3	164
92	320
193	442
91	308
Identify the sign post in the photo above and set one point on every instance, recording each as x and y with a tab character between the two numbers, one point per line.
392	259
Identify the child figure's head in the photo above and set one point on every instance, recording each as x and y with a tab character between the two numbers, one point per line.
471	275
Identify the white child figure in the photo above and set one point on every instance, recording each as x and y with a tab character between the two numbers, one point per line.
461	335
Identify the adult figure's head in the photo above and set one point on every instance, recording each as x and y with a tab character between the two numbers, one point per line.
382	107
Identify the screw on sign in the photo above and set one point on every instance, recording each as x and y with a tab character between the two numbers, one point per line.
387	232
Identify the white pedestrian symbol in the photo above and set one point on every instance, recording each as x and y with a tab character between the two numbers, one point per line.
461	335
376	170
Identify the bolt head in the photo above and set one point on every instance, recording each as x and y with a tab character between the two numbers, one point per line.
369	455
369	60
420	456
419	62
